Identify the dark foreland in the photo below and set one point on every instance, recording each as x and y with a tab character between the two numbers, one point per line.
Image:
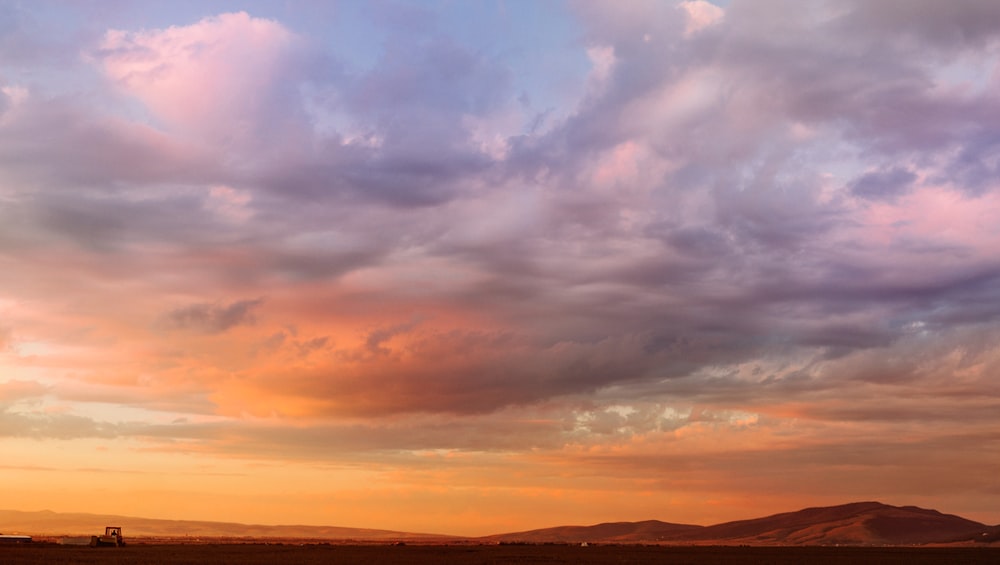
855	524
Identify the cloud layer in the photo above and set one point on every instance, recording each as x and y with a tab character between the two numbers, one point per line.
745	239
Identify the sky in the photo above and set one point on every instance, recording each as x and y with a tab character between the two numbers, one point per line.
472	267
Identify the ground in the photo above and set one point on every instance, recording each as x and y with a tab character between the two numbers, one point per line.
259	553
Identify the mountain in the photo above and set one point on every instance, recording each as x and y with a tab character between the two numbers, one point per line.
47	523
859	523
649	530
847	524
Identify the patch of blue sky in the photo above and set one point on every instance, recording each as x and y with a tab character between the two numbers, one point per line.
540	43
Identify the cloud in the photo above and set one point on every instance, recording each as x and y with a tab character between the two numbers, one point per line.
963	24
23	414
376	339
219	78
677	208
886	184
418	102
700	14
214	318
20	390
52	426
767	229
92	151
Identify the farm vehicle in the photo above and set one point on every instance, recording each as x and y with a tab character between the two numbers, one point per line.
112	538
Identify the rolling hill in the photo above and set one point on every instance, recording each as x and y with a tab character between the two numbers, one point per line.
649	530
47	523
859	523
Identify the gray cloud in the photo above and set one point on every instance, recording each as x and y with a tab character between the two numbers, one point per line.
214	318
93	154
691	211
52	426
884	185
958	25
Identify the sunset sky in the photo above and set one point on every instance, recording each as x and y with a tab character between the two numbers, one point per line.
470	267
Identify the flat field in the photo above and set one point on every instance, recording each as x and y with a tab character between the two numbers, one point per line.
253	553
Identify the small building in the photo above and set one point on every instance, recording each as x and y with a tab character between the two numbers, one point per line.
14	539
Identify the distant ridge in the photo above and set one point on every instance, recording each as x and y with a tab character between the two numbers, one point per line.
649	530
849	524
859	523
48	523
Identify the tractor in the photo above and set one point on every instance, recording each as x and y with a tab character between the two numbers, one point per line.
112	538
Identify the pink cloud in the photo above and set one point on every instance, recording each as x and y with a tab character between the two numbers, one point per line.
216	77
942	217
700	15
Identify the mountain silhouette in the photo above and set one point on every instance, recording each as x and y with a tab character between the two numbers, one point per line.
859	523
648	530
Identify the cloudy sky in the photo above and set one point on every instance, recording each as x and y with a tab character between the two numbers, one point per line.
472	267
